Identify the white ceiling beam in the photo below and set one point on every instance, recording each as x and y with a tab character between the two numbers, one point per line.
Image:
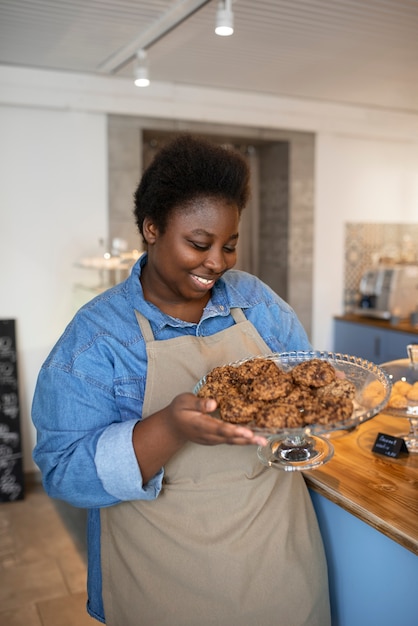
167	22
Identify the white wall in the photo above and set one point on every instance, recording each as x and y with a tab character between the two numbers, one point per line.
53	187
357	180
53	203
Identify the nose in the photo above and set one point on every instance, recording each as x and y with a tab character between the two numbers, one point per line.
216	260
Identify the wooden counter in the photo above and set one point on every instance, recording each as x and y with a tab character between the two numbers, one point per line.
379	490
403	326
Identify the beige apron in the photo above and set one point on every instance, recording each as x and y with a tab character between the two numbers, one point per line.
227	541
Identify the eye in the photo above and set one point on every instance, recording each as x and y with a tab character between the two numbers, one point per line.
200	246
203	247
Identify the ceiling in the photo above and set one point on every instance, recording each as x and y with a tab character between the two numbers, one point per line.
359	52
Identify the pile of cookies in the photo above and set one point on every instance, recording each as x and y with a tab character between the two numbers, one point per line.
258	392
403	394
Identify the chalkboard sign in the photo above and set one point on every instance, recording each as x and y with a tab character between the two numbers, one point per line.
11	463
389	445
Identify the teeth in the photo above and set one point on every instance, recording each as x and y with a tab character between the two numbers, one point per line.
204	281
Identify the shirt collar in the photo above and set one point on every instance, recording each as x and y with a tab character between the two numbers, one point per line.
224	297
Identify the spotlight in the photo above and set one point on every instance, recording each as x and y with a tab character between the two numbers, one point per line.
224	19
141	69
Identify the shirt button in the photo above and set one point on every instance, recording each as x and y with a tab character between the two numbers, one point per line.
221	307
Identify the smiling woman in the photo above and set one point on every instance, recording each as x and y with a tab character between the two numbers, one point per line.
184	262
130	441
190	227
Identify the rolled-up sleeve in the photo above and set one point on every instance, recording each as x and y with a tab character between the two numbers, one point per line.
84	448
117	466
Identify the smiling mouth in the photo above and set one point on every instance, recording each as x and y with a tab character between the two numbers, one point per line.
203	281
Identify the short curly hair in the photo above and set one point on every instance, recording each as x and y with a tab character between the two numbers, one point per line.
187	168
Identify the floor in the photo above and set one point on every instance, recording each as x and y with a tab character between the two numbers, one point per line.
42	562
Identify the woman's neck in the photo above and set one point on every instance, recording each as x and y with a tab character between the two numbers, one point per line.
188	311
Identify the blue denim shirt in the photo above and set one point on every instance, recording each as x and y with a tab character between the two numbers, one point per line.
90	392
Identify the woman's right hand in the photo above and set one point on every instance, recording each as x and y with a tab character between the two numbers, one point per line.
190	419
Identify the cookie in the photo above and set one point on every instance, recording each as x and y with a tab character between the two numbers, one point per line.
412	394
271	385
300	397
313	373
334	409
402	387
397	401
219	382
278	415
237	410
327	409
258	367
373	393
340	387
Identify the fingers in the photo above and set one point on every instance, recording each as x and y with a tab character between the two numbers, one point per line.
192	416
206	405
231	433
222	432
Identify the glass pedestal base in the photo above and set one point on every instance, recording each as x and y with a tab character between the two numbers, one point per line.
296	452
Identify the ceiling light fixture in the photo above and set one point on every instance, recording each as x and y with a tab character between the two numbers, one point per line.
179	13
141	69
224	19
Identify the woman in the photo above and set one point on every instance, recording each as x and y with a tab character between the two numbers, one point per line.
185	525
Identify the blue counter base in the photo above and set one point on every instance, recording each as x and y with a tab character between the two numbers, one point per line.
373	580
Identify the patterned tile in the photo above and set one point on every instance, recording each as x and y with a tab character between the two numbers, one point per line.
367	245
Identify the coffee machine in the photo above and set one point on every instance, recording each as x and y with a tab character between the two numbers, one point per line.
389	291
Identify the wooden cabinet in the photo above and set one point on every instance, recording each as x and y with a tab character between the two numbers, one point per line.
372	342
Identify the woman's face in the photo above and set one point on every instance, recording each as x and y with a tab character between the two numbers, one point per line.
198	246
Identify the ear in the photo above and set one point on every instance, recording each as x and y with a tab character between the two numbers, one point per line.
149	230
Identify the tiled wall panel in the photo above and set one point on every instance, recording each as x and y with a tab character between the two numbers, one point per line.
367	245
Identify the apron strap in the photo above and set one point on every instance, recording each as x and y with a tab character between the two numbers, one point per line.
238	315
148	335
145	327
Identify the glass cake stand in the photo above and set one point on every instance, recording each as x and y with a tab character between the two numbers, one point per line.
406	370
296	449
